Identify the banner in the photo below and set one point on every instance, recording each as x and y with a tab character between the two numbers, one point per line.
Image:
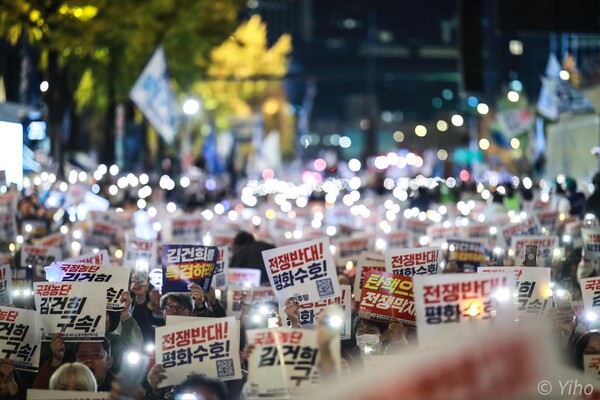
349	249
467	254
41	394
415	261
545	244
153	95
221	267
253	295
591	243
528	226
74	309
441	233
247	277
99	258
515	121
305	268
533	291
399	239
184	264
38	257
138	252
459	305
310	310
366	261
102	235
207	346
20	337
115	277
187	228
6	290
284	363
387	297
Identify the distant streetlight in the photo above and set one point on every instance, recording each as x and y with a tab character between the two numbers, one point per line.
44	86
191	106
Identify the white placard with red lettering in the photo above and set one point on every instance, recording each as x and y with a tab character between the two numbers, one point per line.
310	310
548	220
350	248
591	365
253	295
573	231
188	227
138	249
224	238
98	258
20	337
283	364
459	305
525	227
399	239
6	291
38	257
206	346
533	294
247	277
366	261
418	227
41	394
75	309
545	244
305	268
102	235
8	221
219	279
415	261
590	291
115	277
591	243
441	232
477	231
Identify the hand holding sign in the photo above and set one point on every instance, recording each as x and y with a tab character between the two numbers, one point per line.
7	377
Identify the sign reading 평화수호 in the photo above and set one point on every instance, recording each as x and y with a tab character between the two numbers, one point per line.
184	264
467	254
415	261
247	277
42	394
532	289
187	228
455	305
305	268
590	291
138	250
20	337
209	346
545	245
399	239
527	226
310	310
253	295
6	292
591	365
115	277
38	257
75	309
219	279
387	297
299	375
591	243
366	261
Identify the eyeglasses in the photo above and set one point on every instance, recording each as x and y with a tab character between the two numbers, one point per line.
175	308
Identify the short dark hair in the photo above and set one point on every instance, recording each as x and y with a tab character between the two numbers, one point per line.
193	381
105	345
382	326
243	237
182	299
580	345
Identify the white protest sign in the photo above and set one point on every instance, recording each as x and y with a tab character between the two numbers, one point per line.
305	268
38	257
533	294
442	232
208	346
415	261
8	221
349	249
590	291
189	227
6	291
459	305
139	252
399	239
248	277
102	235
20	337
98	258
527	226
545	245
75	309
41	394
591	243
253	296
365	262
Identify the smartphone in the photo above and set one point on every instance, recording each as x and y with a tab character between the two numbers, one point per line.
141	268
133	370
272	321
530	255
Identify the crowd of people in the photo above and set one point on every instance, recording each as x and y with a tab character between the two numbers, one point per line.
98	366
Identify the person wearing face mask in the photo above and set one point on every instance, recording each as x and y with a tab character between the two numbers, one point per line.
377	338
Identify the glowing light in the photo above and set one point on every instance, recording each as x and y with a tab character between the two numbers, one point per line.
420	130
320	164
590	316
191	106
564	75
354	165
484	144
483	108
501	295
527	183
119	253
184	181
513	96
473	311
114	170
171	207
457	120
549	292
44	86
515	143
349	266
268	173
399	136
442	125
464	175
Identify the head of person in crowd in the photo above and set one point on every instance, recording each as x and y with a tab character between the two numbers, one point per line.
98	358
202	388
369	335
588	343
113	318
75	377
242	238
180	304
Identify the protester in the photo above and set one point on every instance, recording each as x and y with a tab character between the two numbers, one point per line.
575	197
73	376
247	253
592	204
9	388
